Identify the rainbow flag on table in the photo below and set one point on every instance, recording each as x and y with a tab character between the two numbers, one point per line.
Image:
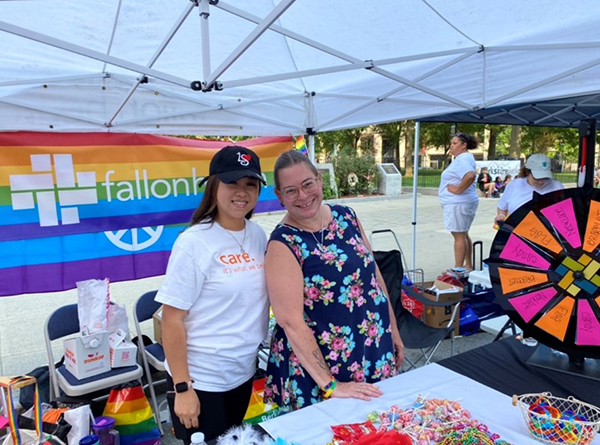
134	419
259	411
76	206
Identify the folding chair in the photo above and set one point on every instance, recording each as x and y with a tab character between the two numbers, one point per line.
415	333
151	355
64	322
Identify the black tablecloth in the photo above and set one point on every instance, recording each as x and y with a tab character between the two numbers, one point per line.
502	365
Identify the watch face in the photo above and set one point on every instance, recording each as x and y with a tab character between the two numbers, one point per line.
182	387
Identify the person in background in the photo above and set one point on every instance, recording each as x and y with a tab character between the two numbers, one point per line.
498	185
215	306
507	179
458	197
535	176
484	182
336	334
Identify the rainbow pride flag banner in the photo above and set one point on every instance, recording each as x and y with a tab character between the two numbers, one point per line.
134	419
77	206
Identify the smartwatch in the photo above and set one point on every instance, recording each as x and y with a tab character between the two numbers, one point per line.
183	386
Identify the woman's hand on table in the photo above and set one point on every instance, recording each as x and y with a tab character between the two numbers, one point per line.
362	391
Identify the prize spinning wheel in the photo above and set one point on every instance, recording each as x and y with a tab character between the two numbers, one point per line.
545	269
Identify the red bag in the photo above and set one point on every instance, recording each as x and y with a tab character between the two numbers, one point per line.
413	306
385	438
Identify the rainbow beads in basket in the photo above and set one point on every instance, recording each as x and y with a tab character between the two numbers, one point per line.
556	420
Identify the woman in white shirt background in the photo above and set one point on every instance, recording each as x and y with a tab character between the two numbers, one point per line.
458	197
535	176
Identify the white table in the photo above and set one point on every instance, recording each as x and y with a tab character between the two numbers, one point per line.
311	425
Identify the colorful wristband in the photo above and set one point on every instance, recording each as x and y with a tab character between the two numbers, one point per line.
327	390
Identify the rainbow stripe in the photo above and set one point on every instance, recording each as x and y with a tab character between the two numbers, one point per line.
78	206
10	384
257	410
300	145
133	416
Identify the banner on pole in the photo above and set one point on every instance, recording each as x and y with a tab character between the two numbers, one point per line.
76	206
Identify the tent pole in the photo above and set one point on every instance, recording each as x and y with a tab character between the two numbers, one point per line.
311	147
204	15
415	184
587	147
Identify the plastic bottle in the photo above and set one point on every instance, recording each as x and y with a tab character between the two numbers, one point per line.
104	428
90	440
198	439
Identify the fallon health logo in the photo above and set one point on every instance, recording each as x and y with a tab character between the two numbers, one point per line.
79	188
41	184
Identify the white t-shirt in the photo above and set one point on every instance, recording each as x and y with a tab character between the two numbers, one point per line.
225	294
518	192
462	164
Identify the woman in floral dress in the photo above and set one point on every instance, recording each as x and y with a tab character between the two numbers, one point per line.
336	334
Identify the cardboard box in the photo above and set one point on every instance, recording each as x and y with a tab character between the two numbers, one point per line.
87	355
157	318
439	316
122	351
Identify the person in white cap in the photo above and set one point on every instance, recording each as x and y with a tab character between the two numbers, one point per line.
535	176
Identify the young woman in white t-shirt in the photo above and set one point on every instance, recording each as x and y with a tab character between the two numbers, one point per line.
215	305
535	176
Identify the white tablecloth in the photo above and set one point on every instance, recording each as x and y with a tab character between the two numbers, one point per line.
310	426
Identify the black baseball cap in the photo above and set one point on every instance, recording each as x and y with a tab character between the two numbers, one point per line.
232	163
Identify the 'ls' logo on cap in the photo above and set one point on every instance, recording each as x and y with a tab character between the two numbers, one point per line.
244	159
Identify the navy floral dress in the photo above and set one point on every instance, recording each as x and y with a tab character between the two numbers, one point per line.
343	305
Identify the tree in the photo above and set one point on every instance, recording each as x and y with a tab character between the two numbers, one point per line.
392	131
515	142
409	153
343	139
494	130
564	141
440	135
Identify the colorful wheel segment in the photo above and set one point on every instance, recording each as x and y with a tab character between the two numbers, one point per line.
545	269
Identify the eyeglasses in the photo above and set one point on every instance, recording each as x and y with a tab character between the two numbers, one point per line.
308	186
463	137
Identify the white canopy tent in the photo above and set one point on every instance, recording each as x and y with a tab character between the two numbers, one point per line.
275	67
281	67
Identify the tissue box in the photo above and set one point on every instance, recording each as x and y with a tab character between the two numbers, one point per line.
122	351
87	355
157	318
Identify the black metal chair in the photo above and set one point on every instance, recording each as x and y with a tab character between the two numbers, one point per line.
415	333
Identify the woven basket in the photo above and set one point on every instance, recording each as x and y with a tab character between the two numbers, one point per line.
555	420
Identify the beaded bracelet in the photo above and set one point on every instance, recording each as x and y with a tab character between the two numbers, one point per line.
327	390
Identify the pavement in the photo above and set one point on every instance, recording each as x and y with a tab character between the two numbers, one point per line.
22	317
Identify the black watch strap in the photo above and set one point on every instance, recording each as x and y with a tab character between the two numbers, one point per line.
183	386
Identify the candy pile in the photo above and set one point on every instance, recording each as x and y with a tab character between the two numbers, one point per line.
435	421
